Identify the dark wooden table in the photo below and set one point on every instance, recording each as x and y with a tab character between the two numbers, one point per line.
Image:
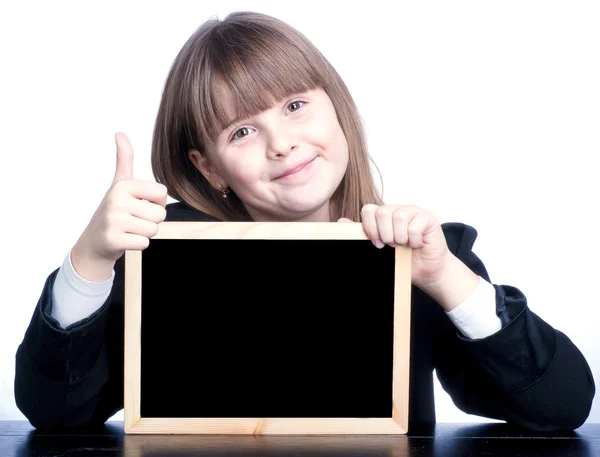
20	439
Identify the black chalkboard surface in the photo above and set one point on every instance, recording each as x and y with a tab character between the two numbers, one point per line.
266	328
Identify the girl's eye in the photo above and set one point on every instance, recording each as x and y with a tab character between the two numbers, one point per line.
295	105
241	133
245	131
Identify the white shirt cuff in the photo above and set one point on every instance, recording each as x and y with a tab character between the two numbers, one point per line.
76	298
476	317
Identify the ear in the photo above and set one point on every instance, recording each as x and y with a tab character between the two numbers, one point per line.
204	166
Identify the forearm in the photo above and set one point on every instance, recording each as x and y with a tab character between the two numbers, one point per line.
527	373
476	317
51	404
453	285
75	298
59	374
561	398
544	381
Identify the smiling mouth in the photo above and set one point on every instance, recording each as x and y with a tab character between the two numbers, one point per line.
296	169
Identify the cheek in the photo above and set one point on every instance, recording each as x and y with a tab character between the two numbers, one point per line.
243	168
336	140
331	135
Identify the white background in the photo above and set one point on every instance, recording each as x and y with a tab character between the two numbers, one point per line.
483	112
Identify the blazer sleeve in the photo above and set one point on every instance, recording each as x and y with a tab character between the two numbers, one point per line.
528	373
72	377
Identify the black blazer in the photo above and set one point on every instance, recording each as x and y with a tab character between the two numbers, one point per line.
528	373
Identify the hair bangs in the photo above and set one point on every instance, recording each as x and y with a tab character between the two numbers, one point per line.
250	73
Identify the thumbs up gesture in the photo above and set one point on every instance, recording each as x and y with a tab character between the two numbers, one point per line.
126	219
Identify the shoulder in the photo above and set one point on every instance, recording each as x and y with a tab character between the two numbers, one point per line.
460	237
179	211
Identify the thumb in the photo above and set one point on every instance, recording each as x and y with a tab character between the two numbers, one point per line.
344	219
124	158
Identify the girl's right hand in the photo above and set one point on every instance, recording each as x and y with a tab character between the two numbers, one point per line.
126	219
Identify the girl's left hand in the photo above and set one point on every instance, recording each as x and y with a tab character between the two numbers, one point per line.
411	226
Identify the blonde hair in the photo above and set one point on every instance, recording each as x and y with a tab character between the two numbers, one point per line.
261	60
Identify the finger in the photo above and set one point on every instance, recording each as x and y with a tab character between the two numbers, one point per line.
344	219
383	216
148	211
416	228
148	190
125	236
141	227
401	220
135	242
124	169
369	222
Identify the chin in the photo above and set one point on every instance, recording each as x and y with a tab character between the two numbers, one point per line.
302	208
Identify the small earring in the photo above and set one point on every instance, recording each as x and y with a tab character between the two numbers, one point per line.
224	191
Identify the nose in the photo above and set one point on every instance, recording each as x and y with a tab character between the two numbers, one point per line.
282	140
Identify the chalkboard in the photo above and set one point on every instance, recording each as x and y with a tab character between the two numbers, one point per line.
266	328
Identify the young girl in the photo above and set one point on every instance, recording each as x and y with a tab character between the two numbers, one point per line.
256	125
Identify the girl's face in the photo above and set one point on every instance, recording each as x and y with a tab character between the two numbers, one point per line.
284	163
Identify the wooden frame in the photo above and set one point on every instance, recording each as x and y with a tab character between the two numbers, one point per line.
396	424
239	445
